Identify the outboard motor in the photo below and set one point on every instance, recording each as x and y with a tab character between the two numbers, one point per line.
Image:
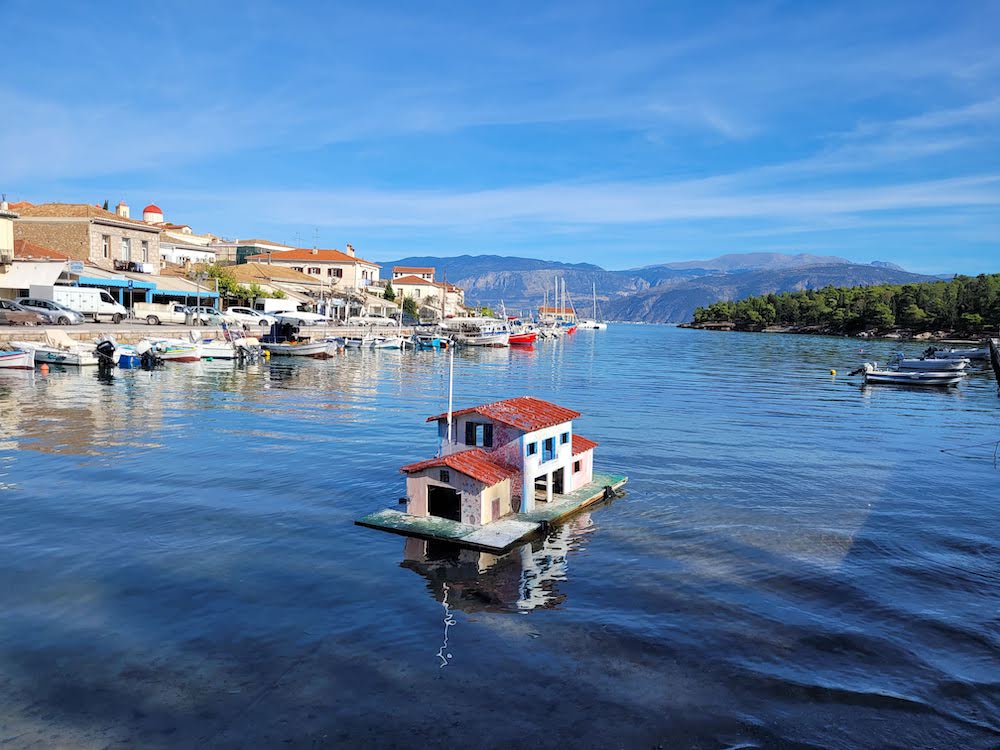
147	356
106	349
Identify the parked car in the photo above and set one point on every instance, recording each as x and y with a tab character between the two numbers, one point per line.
371	320
249	316
211	315
156	314
56	312
13	314
301	318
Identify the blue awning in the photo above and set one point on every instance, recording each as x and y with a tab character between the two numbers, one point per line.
174	293
92	281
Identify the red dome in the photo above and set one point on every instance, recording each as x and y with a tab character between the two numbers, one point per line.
152	208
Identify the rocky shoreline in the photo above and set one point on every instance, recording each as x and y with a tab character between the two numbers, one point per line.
893	334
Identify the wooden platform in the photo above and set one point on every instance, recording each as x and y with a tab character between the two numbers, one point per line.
499	535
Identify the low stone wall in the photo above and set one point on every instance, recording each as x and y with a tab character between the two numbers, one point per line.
133	334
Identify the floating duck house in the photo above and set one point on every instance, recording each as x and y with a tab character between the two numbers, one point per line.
504	471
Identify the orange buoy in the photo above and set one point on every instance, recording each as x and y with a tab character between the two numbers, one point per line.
44	367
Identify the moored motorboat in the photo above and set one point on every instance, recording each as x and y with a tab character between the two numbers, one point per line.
57	348
175	350
980	353
359	341
17	359
872	375
388	342
901	363
477	331
315	349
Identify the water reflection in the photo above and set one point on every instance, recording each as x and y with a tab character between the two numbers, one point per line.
521	580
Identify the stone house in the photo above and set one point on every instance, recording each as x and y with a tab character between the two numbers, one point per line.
339	271
111	241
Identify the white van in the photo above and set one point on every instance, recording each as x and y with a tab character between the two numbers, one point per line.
270	306
96	304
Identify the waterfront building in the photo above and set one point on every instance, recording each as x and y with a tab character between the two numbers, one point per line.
231	252
29	265
434	298
179	244
343	271
557	314
500	458
110	241
427	274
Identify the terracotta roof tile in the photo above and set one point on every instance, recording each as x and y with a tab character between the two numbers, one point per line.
24	250
81	211
405	280
305	253
524	412
412	269
582	444
250	272
475	463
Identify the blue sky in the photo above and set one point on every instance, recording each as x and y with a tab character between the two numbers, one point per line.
621	134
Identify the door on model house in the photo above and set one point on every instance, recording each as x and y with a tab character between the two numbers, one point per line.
444	502
557	481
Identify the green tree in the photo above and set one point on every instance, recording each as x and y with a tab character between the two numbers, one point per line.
410	306
390	293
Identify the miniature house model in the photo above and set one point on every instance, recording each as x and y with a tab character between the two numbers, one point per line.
498	459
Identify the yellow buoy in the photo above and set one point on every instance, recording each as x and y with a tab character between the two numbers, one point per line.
833	372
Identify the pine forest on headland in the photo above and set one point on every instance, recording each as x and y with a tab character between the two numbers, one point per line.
965	304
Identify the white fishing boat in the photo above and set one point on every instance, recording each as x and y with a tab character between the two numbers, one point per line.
901	363
56	348
477	331
17	359
314	349
173	350
359	341
874	376
981	353
388	342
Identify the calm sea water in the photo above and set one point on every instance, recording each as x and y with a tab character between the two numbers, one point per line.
799	562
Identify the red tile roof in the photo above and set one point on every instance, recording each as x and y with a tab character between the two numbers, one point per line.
582	444
24	250
411	269
305	253
524	412
475	463
413	280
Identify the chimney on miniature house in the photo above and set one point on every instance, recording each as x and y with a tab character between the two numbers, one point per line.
350	249
122	209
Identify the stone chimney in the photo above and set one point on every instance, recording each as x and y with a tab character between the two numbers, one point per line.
350	249
315	251
122	209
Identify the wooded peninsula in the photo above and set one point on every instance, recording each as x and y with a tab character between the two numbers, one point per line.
964	305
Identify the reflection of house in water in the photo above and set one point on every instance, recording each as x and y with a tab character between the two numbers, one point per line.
523	579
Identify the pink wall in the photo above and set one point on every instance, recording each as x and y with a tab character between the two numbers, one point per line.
586	473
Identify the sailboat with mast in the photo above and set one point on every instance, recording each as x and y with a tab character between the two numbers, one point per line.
593	324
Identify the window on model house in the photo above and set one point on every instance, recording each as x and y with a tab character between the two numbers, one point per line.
106	245
444	476
479	434
576	467
532	449
549	449
564	438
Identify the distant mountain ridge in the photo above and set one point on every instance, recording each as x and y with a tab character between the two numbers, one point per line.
661	293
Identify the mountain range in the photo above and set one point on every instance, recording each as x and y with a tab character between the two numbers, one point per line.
662	293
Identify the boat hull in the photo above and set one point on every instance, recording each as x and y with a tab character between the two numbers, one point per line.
315	350
17	360
52	356
913	378
523	338
933	365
